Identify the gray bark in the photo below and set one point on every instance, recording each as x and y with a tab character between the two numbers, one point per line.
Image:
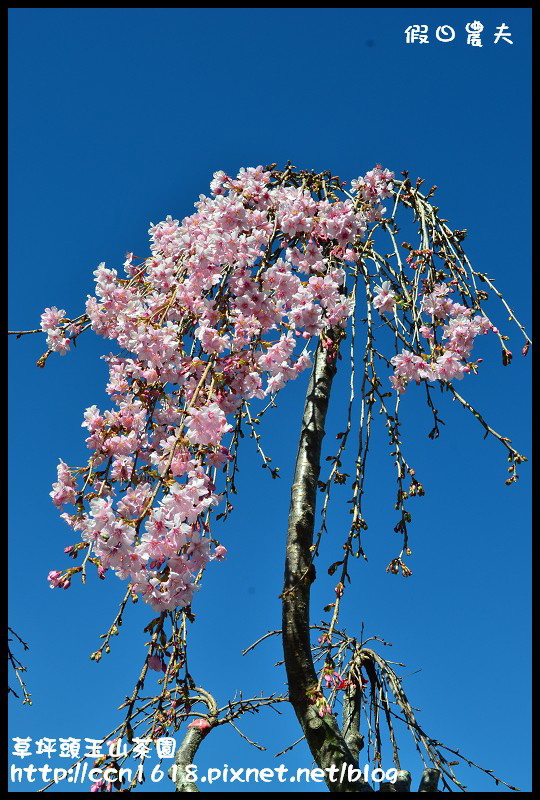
325	740
351	719
184	756
402	783
429	781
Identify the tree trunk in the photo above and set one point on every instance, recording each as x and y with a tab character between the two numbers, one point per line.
184	756
327	744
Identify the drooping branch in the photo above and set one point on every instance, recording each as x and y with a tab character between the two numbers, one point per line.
18	668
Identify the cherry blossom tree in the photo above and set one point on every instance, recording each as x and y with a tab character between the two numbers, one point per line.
276	273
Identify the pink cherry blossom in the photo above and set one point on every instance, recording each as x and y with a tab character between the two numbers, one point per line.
156	663
51	318
384	300
220	552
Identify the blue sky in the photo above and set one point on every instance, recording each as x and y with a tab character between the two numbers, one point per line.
119	117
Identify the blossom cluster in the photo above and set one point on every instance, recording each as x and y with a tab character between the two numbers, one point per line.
447	359
222	311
